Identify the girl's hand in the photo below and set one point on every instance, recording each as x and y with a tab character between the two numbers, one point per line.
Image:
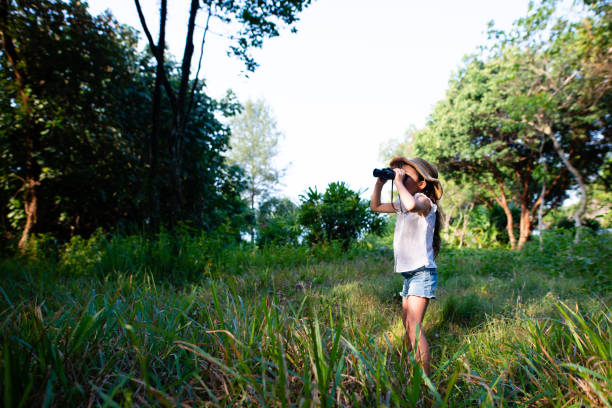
380	181
399	176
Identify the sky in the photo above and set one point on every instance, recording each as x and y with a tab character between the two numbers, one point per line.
356	75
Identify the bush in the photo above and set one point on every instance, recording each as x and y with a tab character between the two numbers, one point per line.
485	227
277	222
339	214
569	224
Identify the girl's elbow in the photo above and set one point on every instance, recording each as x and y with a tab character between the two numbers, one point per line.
376	208
409	206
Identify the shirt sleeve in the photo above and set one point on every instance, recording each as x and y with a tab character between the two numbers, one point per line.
398	206
434	207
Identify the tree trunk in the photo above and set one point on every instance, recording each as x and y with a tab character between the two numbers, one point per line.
180	122
253	211
503	202
196	78
456	231
31	210
509	224
540	212
579	213
525	225
466	219
542	195
158	52
180	108
31	167
153	193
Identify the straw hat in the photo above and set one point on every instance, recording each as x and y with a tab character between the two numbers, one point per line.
424	168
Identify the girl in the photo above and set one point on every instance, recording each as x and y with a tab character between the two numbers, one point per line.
416	241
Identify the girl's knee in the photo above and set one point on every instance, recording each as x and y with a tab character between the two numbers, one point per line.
413	320
413	326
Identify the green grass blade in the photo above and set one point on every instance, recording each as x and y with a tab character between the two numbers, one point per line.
450	385
26	393
8	386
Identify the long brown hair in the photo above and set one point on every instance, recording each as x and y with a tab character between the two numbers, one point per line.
437	241
431	194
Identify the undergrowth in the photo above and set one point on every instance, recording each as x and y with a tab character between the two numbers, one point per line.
124	321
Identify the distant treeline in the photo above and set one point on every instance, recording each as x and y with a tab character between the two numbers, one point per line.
95	133
526	120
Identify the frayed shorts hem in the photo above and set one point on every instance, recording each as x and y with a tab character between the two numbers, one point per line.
413	294
421	282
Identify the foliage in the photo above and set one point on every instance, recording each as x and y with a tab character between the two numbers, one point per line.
64	125
277	223
338	214
257	20
88	155
212	195
492	125
567	223
478	227
599	207
254	145
471	219
508	329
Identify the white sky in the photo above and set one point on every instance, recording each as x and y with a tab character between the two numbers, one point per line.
356	75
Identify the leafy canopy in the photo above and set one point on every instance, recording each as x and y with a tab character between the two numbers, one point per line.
339	214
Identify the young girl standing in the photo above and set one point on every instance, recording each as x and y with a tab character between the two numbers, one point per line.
416	241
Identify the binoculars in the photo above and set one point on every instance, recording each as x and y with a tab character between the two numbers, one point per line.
385	174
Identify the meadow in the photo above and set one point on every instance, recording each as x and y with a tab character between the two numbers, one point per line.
126	321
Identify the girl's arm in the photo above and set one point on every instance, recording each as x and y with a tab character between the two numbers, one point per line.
419	205
375	204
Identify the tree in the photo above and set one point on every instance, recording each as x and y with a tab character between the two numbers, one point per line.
277	222
471	219
565	84
65	79
75	109
489	126
600	205
258	20
254	145
339	214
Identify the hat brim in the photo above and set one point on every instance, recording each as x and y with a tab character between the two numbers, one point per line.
398	161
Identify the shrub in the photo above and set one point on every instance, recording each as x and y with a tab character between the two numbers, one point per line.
277	222
338	214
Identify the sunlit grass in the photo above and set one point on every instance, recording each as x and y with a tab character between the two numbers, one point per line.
296	327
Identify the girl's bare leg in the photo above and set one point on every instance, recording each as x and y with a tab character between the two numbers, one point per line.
404	317
413	311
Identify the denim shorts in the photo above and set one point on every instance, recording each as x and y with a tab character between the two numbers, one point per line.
420	282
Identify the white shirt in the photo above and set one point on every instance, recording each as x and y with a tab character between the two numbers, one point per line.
413	238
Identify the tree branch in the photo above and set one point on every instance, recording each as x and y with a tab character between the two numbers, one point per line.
186	66
195	82
11	54
158	51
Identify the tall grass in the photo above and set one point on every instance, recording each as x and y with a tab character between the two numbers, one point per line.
100	324
175	256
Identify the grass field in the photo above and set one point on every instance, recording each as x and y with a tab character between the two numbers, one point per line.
127	322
